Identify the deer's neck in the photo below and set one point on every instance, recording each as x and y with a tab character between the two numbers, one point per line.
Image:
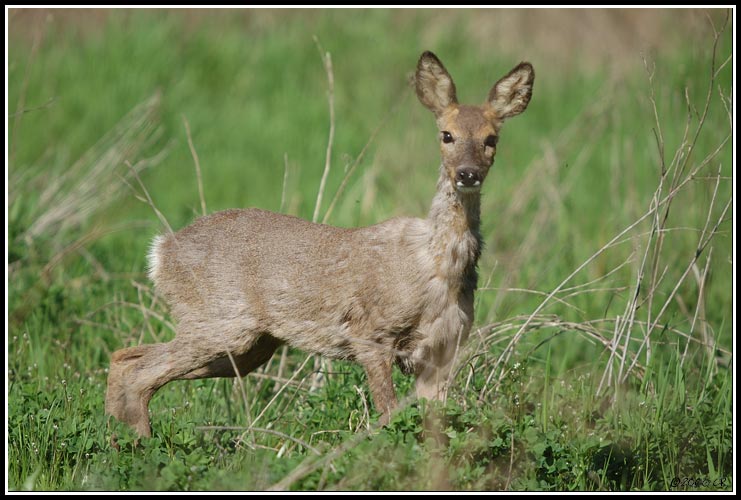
456	240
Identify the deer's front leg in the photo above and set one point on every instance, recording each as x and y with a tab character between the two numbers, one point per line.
432	373
432	381
378	368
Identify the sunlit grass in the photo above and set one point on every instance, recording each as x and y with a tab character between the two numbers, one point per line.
559	410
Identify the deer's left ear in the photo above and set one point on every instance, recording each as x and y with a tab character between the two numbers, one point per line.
510	95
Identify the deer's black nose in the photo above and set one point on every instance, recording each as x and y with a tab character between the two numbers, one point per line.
467	177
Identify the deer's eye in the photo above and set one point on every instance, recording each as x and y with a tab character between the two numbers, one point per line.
447	137
491	141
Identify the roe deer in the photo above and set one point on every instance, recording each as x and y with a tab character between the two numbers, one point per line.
243	282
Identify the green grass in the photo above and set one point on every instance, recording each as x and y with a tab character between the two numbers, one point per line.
541	399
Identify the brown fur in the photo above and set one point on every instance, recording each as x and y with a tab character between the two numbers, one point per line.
243	282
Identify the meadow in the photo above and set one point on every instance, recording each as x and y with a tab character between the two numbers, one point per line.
601	358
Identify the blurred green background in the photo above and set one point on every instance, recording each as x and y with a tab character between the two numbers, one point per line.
578	167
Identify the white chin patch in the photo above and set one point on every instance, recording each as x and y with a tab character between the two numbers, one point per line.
468	189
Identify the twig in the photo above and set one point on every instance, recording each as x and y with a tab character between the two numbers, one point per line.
274	378
240	382
285	182
197	165
281	366
161	217
262	430
327	60
146	322
275	396
701	281
144	311
528	291
366	412
49	102
361	155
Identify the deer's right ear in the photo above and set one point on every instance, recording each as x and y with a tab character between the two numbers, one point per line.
435	87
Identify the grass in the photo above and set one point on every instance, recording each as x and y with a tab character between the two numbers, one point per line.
602	353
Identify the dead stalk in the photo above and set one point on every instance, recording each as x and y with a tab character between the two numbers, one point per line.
197	164
361	155
285	183
260	430
243	393
327	61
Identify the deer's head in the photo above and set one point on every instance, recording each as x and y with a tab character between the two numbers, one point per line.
469	134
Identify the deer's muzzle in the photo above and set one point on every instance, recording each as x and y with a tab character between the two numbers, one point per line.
468	179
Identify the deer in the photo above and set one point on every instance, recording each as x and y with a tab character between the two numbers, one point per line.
242	282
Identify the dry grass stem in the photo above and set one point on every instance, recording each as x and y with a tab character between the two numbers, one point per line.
197	164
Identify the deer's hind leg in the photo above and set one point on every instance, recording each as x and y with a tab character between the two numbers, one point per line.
244	363
136	373
133	377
